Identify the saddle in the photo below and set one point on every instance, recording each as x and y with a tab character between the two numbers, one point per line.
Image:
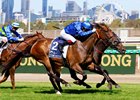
55	51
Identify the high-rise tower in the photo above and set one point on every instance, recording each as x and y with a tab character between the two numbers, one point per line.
44	8
25	7
7	8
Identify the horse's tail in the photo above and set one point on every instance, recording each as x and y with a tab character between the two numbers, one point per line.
10	63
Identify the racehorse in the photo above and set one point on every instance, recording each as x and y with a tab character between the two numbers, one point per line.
98	51
15	51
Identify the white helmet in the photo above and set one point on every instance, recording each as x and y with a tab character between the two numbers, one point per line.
84	18
15	24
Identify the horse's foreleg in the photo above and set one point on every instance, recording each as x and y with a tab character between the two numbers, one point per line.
12	76
106	76
98	71
113	82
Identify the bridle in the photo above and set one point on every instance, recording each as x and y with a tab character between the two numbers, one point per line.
108	41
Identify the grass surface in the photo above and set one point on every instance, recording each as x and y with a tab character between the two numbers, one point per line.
44	91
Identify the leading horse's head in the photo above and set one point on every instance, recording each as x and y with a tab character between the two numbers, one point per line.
109	37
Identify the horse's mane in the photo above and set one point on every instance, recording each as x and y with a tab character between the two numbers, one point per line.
100	25
29	36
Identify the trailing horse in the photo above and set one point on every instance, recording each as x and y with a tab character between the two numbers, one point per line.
16	51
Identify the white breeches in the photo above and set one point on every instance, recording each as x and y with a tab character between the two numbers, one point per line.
66	36
3	39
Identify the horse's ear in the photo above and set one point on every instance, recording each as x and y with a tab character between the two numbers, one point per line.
97	25
36	32
102	25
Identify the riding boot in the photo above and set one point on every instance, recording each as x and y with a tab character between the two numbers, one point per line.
61	45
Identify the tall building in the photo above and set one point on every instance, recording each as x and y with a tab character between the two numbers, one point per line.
134	14
7	9
73	11
44	8
72	6
25	7
85	9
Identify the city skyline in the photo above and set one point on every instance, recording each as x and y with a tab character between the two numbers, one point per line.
36	5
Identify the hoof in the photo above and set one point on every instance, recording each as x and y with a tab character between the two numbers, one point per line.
98	85
88	86
77	82
117	86
67	85
109	86
58	93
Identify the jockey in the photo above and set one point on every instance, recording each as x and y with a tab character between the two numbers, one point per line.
6	34
73	30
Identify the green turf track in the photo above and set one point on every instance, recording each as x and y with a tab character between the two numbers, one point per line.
44	91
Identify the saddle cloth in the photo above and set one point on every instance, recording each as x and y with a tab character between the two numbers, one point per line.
54	50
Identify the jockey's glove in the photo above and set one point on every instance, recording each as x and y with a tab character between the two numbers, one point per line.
21	39
93	30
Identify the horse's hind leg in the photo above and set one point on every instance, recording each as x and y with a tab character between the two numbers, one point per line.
55	86
46	61
79	70
78	81
5	77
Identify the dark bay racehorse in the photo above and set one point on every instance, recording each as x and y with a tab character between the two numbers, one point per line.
16	51
98	51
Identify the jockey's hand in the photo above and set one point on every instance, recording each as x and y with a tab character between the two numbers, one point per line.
94	30
21	39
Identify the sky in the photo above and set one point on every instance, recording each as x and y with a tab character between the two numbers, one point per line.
36	5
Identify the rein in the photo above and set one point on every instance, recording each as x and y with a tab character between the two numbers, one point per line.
14	49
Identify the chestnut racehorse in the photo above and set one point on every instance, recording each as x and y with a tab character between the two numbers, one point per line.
16	51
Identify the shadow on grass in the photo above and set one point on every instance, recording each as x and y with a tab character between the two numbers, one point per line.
81	91
17	87
46	91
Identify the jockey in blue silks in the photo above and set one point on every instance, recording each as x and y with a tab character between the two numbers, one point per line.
6	34
6	31
75	29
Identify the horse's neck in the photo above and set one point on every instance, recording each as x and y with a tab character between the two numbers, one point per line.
90	41
99	49
101	46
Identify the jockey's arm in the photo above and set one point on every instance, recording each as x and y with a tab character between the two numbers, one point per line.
17	34
81	33
9	36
